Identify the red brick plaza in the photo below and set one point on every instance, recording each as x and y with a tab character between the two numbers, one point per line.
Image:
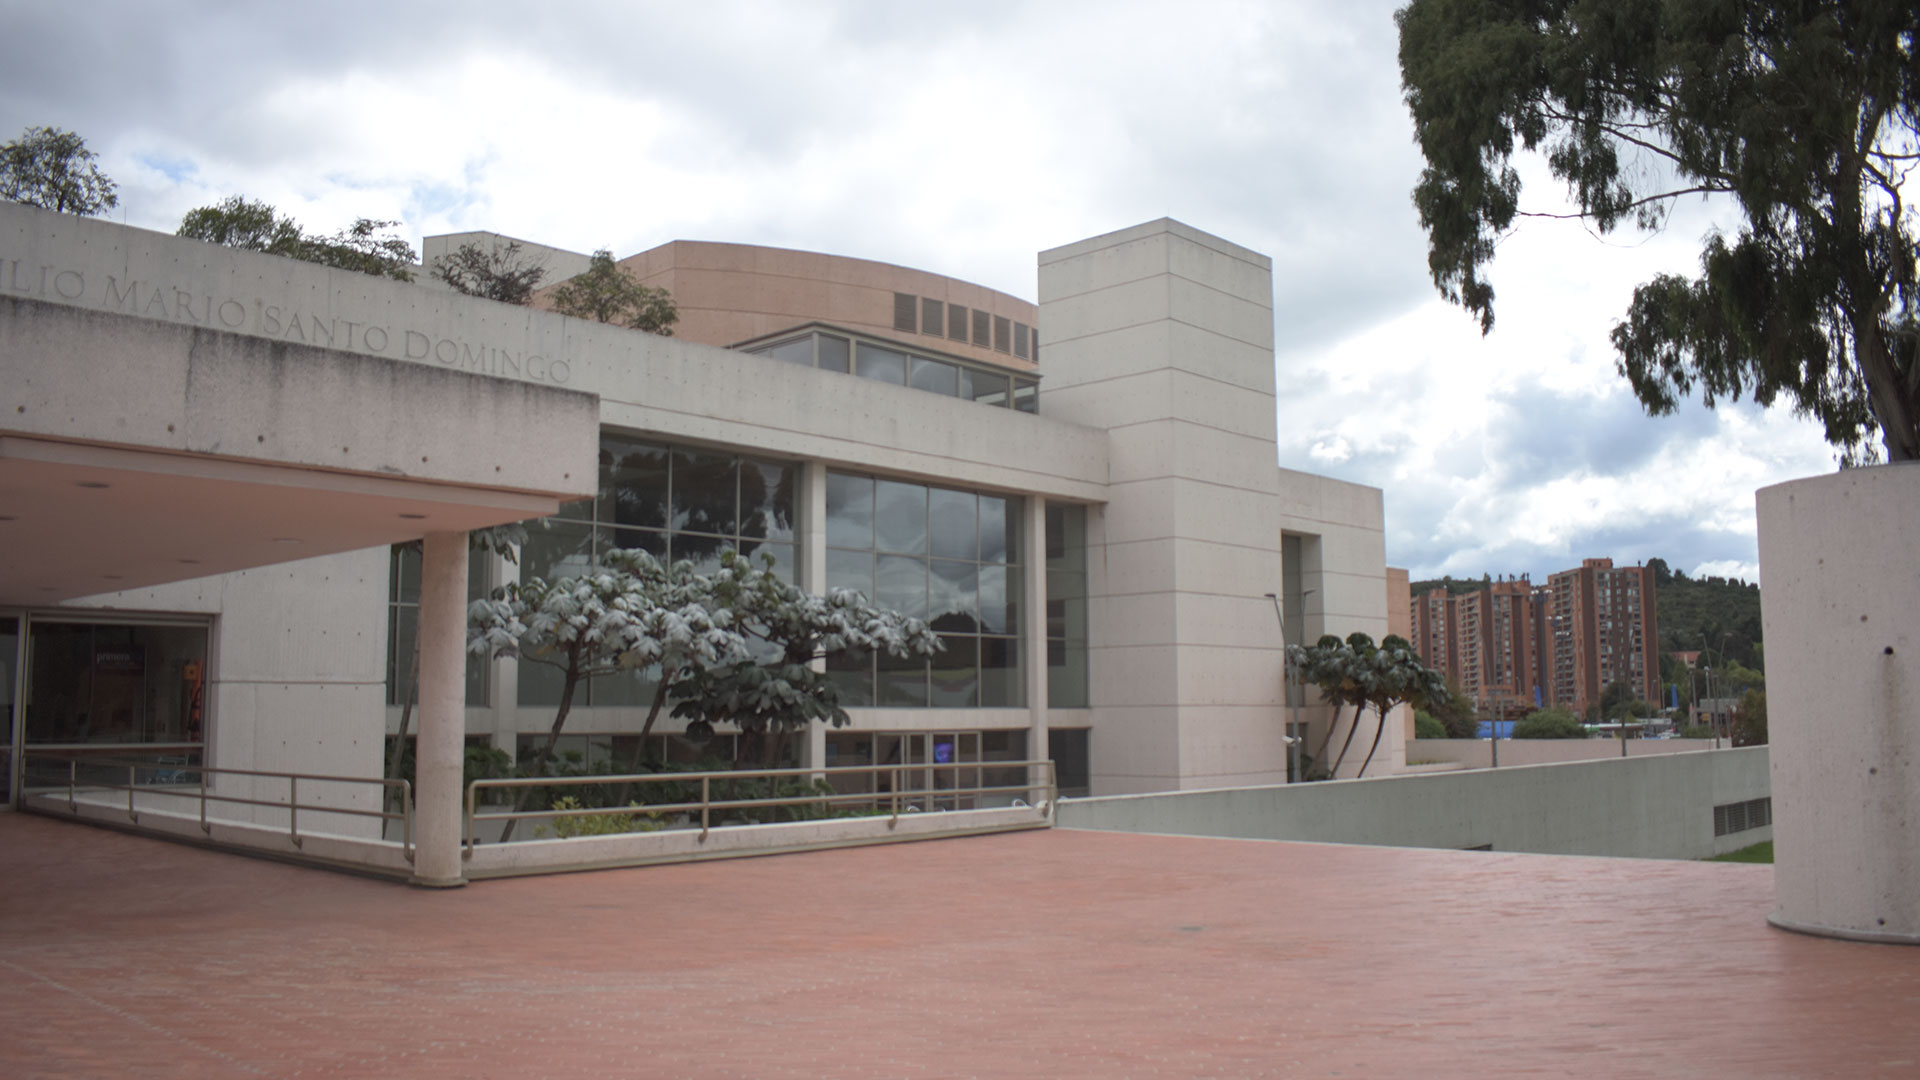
1047	954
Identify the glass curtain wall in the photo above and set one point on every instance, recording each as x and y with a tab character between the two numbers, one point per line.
1066	606
403	624
675	503
949	557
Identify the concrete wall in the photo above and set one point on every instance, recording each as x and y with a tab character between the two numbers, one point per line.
1840	556
1649	807
1478	753
1163	336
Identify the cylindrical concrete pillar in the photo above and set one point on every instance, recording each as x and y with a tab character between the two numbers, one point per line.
1840	572
437	755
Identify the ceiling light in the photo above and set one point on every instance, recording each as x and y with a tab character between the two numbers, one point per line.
91	484
414	517
191	562
286	539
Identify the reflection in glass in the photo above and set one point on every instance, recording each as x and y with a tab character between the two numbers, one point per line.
850	570
900	517
562	549
704	493
766	498
997	614
954	595
884	365
935	376
956	673
852	672
999	529
1026	396
633	483
849	511
902	682
953	525
900	584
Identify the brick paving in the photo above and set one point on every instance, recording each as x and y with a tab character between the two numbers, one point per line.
1050	954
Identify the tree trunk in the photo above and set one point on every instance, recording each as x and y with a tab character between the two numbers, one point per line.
1327	739
553	734
1378	730
406	715
1359	710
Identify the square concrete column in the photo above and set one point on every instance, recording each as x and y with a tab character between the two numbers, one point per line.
812	570
1163	336
1033	628
437	794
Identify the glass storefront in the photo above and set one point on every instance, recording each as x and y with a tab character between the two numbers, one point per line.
110	689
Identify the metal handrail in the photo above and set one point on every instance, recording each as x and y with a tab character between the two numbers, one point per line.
1045	790
292	805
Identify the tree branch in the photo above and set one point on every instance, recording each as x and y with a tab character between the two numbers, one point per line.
1637	203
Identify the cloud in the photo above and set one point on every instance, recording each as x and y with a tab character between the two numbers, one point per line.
962	140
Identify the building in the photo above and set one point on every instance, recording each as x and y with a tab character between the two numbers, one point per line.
1511	646
207	456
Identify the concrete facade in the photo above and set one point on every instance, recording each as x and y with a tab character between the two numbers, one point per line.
1838	554
265	410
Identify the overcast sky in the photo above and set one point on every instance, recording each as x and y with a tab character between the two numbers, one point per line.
963	139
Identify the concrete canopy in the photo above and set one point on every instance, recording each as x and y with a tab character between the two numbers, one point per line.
137	451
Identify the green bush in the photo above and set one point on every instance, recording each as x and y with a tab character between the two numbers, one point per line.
571	825
1549	724
1426	727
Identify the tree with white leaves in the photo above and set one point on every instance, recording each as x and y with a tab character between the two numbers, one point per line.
629	614
787	692
1357	673
695	634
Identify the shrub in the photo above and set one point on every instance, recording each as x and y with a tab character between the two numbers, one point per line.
571	825
1426	727
1549	724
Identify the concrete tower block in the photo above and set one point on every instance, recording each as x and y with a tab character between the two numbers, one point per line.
1841	560
1163	336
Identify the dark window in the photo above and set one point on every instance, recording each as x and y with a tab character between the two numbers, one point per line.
933	317
1020	344
1068	749
1026	396
956	322
982	329
905	307
1002	334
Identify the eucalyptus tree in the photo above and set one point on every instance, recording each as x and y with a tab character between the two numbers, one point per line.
1805	114
1357	673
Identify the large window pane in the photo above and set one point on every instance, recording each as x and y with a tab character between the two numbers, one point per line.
851	672
562	549
997	607
108	683
999	529
985	386
767	494
1026	396
782	554
956	673
833	352
953	524
954	596
850	570
647	540
633	483
884	365
849	511
900	584
900	517
902	682
705	493
799	351
702	551
1001	684
935	376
